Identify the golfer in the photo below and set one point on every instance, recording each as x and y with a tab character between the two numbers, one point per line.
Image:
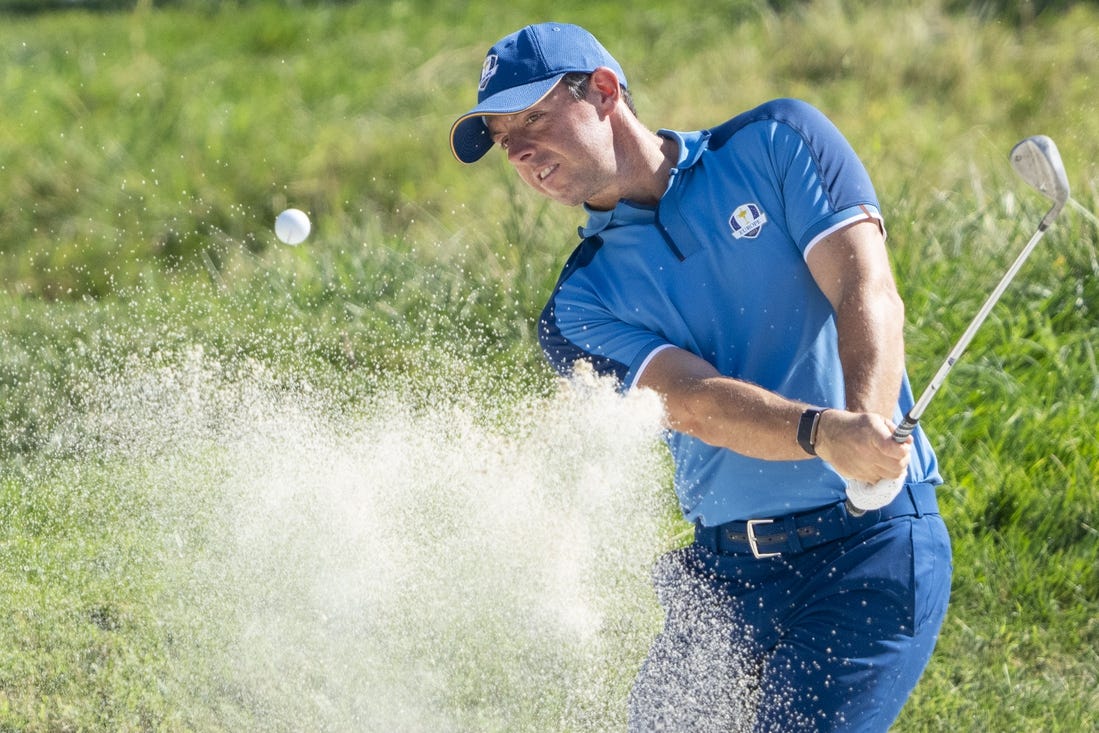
741	273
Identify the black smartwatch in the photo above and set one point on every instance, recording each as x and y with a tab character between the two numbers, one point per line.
807	429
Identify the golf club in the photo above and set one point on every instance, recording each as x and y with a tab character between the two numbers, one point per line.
1037	162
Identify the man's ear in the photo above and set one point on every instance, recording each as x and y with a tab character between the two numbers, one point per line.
604	82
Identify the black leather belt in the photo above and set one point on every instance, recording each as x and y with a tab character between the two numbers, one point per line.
763	538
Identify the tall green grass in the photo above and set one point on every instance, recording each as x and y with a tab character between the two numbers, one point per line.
144	152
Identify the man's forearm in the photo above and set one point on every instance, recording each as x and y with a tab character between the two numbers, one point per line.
738	415
871	347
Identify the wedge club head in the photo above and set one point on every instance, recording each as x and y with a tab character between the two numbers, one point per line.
1038	162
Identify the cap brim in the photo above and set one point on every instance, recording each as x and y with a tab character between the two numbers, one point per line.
469	136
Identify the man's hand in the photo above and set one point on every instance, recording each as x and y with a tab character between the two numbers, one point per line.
860	445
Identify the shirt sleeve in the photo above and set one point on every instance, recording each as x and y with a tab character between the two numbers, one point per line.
576	326
823	183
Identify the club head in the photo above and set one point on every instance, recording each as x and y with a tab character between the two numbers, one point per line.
1038	162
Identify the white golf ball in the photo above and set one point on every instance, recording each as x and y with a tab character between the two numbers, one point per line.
292	226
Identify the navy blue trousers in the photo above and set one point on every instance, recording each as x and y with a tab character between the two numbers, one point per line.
832	638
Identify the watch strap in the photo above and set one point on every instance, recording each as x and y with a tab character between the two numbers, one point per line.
808	427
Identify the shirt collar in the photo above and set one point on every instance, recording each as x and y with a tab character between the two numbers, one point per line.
691	146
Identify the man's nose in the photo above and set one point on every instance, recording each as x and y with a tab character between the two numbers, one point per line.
519	149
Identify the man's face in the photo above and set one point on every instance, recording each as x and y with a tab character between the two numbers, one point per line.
563	148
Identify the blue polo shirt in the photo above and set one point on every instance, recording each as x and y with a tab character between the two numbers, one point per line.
718	268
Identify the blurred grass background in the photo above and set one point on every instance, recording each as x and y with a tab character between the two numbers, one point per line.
145	149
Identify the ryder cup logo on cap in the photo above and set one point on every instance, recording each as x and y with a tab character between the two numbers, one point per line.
519	71
487	70
746	221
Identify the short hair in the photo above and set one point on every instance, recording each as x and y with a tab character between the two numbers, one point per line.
577	83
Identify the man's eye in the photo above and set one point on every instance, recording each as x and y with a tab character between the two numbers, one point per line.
534	117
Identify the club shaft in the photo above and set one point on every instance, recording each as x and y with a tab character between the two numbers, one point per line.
907	425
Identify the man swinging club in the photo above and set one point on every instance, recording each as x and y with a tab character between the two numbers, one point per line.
741	273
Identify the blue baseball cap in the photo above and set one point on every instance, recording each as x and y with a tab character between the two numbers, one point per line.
519	71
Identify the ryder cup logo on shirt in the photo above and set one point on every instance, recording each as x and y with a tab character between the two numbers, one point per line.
747	220
487	70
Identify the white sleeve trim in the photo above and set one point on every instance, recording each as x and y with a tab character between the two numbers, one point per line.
645	363
868	214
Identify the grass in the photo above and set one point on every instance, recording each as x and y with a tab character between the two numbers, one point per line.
155	332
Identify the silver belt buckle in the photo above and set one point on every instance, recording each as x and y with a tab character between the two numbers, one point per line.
750	529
